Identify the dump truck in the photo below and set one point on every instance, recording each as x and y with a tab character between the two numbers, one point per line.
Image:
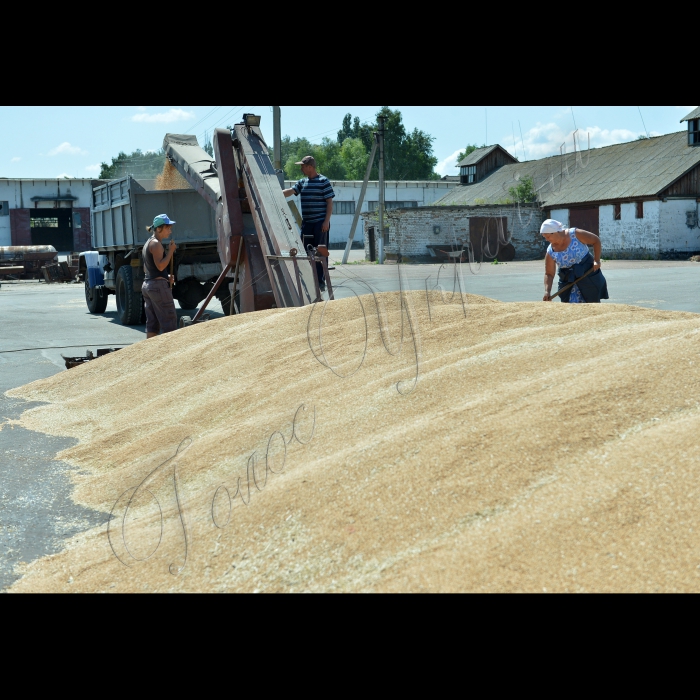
121	212
237	238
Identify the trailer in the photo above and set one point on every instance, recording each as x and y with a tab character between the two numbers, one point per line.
121	211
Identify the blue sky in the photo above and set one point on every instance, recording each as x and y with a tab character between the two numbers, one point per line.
57	141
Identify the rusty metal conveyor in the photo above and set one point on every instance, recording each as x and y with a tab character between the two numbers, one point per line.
258	240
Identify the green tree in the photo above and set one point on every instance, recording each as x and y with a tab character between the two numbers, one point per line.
525	192
208	146
141	165
408	156
355	157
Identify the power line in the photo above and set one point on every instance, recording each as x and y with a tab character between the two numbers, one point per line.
206	116
219	120
643	124
65	347
573	117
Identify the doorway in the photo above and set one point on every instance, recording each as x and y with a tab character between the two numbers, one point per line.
488	235
585	218
52	227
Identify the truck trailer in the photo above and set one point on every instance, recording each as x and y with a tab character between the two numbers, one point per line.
121	212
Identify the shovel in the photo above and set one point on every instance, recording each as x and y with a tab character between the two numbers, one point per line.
569	286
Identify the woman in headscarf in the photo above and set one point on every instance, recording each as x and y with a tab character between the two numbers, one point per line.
568	250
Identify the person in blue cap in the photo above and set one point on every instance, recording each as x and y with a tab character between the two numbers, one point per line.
157	288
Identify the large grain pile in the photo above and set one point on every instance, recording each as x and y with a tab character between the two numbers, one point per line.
543	447
170	178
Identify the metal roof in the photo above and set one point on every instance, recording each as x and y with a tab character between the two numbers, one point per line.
478	155
695	114
641	168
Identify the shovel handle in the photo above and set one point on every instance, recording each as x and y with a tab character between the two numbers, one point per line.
569	286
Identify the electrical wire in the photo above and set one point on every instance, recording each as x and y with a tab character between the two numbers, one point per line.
206	116
220	120
643	124
66	347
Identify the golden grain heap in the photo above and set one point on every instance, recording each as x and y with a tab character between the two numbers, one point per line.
476	447
170	178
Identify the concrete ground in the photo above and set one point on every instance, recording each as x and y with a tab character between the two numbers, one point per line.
40	322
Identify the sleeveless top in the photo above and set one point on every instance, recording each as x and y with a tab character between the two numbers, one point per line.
573	255
152	272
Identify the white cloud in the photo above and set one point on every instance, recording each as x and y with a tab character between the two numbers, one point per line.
16	159
546	139
172	115
141	109
66	149
70	177
93	168
447	166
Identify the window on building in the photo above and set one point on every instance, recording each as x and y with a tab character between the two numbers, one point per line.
694	132
640	210
374	206
4	208
343	207
617	212
43	222
77	220
468	174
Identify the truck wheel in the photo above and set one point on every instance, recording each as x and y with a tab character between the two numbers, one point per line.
129	302
96	298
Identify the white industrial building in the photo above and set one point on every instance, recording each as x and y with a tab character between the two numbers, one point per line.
52	211
399	194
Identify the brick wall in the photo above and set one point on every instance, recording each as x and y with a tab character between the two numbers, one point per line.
412	230
19	227
630	238
82	236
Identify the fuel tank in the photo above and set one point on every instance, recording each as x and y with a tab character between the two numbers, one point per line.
26	253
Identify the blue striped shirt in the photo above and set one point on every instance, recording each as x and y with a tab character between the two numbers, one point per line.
314	195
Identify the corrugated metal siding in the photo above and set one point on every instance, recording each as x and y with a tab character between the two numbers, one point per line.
624	171
689	184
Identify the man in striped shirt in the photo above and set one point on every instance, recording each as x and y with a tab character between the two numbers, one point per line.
317	196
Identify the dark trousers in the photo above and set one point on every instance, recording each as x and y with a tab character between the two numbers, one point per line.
159	305
311	234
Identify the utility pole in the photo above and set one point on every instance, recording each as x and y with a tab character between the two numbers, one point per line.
382	201
363	192
277	143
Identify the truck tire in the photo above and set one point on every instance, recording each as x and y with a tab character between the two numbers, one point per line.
96	298
129	302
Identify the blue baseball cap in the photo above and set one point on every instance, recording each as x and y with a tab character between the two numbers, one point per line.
162	220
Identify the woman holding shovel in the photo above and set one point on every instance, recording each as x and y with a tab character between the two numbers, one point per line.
580	278
157	287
